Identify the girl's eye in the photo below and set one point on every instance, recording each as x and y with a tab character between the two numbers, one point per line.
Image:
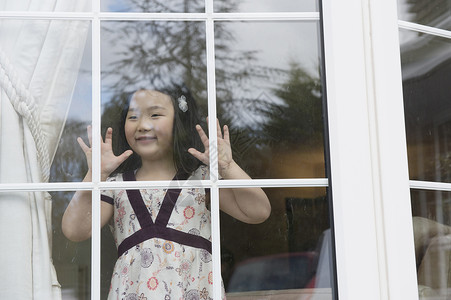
155	115
132	117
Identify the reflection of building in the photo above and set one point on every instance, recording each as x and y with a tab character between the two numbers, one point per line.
426	65
426	75
431	12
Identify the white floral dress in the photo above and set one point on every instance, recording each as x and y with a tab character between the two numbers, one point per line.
163	240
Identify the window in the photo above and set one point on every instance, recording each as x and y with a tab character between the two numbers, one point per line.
245	62
272	98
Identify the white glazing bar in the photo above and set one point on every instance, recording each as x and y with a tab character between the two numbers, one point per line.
425	29
305	16
216	16
153	16
95	244
320	182
209	7
43	15
282	16
44	186
430	185
76	186
214	191
96	105
216	242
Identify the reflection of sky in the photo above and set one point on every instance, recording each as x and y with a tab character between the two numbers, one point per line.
277	44
244	5
80	109
112	5
278	5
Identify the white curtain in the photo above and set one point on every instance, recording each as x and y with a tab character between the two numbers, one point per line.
39	64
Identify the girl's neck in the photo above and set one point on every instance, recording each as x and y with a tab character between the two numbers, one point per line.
156	170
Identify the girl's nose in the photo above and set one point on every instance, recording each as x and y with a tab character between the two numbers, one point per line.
145	125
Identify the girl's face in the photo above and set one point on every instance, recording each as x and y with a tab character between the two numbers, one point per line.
149	123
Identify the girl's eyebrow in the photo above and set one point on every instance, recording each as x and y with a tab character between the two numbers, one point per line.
156	107
153	107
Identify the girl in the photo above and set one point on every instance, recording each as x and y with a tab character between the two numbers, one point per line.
163	236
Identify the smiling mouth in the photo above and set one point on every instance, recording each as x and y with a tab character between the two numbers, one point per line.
146	138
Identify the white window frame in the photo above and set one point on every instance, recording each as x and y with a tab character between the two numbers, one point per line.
370	186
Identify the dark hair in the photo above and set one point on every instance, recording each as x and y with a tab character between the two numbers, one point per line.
184	133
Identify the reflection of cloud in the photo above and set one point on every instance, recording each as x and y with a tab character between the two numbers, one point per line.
113	5
279	41
277	44
278	6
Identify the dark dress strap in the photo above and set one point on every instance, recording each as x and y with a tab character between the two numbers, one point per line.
137	202
149	229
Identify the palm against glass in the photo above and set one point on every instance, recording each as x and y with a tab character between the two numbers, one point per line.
109	161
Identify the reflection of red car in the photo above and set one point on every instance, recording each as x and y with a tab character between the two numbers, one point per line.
275	272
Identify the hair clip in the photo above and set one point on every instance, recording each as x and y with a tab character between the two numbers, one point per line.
182	103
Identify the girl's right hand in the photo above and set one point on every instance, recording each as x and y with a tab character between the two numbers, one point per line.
109	161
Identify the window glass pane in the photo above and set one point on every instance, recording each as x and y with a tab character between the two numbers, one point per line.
434	13
266	6
72	260
69	163
46	6
431	212
177	6
48	64
426	72
288	255
269	93
166	62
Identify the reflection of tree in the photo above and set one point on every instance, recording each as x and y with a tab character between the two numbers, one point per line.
290	119
297	120
69	164
158	53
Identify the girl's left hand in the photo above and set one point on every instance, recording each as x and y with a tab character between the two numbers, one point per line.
224	150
